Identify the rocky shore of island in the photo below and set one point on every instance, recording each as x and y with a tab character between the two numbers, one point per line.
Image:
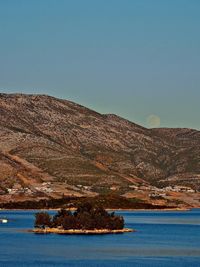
81	231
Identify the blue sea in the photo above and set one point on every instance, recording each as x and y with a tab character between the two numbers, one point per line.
162	238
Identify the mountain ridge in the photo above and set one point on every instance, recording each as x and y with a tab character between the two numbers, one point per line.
78	151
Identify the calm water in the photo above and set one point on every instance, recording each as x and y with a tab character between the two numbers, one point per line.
162	239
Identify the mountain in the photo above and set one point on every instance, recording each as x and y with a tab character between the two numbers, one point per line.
51	147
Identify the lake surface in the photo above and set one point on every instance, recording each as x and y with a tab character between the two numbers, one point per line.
163	238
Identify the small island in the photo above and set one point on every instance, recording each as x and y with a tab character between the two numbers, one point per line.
87	219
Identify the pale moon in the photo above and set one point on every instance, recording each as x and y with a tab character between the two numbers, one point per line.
153	121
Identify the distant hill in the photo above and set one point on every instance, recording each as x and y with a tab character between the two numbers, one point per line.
51	147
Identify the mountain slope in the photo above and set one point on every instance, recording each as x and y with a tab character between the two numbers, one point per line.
51	147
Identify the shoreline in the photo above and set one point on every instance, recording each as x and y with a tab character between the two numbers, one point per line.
73	209
79	231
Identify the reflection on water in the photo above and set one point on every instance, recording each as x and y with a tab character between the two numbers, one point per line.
162	239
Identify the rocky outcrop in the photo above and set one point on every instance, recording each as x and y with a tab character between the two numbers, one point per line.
80	232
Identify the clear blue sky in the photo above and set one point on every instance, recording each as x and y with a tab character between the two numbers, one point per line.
133	58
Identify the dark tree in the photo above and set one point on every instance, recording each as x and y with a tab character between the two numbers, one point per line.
84	207
69	222
59	217
42	220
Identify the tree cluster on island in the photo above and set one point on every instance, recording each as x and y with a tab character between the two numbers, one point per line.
86	217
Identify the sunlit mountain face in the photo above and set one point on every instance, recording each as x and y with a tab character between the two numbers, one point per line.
50	147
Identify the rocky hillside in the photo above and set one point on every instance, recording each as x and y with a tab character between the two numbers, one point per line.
51	147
